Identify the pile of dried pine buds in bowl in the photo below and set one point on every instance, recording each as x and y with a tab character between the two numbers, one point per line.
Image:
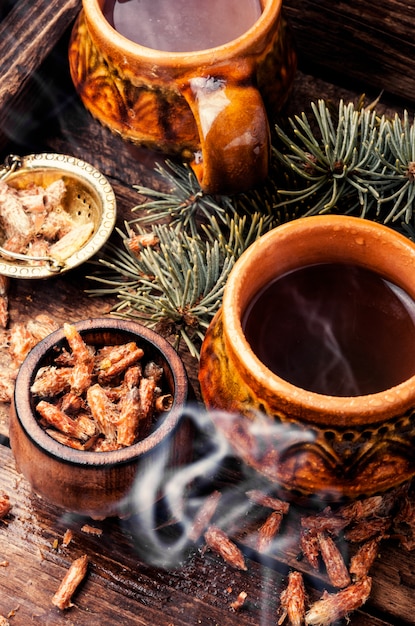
99	399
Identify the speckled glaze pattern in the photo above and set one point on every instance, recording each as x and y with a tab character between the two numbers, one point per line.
348	447
159	100
340	461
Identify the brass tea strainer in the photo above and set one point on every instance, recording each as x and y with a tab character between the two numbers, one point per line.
89	198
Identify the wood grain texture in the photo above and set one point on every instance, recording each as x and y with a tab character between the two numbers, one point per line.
360	43
37	27
120	588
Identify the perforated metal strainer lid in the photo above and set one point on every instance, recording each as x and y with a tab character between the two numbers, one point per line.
88	201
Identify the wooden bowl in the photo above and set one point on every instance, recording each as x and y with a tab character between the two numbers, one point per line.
94	483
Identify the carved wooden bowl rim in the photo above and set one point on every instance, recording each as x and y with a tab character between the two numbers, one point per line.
146	338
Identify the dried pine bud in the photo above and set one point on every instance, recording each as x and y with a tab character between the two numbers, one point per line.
361	509
364	558
67	538
73	577
335	606
333	560
239	602
219	542
293	600
204	515
263	499
91	530
310	547
5	505
366	529
269	529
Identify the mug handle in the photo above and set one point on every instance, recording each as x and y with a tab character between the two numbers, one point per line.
234	134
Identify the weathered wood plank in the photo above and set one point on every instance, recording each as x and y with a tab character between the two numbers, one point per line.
363	44
36	28
119	587
28	33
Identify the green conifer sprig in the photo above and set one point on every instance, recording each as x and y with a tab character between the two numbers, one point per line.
176	285
398	173
349	160
183	203
338	164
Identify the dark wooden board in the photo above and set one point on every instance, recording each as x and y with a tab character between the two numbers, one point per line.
120	587
367	45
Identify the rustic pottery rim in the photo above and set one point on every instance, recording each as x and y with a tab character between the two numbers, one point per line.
374	407
250	38
30	425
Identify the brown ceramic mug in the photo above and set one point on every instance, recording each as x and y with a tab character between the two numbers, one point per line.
333	445
210	107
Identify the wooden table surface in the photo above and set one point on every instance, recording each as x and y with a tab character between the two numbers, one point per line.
120	586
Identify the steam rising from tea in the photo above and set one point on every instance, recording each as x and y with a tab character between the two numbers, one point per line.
182	25
334	329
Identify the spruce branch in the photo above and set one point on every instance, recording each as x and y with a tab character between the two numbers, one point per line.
172	276
339	164
398	175
174	284
178	282
184	203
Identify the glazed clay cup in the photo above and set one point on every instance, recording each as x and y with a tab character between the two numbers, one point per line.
336	447
209	107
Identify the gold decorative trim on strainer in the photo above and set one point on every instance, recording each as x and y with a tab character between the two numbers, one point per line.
89	196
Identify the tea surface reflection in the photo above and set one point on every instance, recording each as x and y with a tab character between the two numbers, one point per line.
182	25
334	329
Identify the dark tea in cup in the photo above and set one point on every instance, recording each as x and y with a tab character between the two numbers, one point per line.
313	352
336	329
182	25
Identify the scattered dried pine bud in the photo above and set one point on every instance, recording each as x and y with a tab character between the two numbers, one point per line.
237	604
219	542
324	522
91	530
204	516
137	242
5	506
364	558
293	600
333	560
12	613
361	508
72	579
268	531
335	606
263	499
310	547
368	528
67	538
